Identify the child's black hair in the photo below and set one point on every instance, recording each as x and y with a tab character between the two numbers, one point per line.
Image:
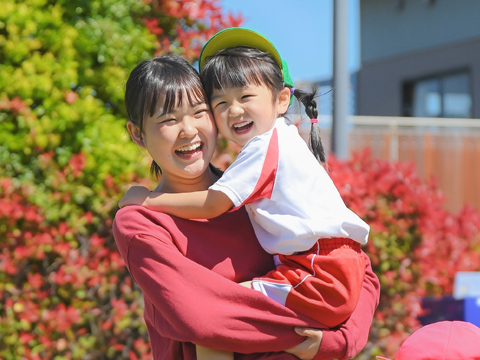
241	66
166	77
315	141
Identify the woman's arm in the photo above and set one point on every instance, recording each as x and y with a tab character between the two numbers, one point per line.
351	337
195	304
205	204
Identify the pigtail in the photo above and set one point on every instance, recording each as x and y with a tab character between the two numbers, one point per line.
315	142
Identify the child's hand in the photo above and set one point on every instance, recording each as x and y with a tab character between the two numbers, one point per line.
136	195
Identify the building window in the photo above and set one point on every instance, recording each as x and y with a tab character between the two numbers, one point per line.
441	96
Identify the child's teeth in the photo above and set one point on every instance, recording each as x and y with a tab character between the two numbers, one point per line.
242	124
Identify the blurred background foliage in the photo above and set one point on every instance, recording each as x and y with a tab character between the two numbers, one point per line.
415	245
66	159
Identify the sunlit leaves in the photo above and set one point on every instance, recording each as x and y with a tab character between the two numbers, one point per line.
65	161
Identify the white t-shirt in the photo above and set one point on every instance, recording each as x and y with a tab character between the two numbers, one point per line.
291	200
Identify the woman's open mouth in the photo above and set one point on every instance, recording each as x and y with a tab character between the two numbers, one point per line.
189	150
242	127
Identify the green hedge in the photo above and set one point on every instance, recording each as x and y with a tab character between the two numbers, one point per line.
65	161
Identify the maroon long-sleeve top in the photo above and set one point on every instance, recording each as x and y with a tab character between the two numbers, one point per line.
188	271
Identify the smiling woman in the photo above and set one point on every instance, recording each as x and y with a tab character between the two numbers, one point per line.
179	134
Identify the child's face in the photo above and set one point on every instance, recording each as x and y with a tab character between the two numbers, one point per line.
244	112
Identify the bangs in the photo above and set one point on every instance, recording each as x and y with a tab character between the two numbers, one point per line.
233	72
173	90
227	70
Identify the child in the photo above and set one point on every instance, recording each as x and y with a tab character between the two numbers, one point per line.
295	209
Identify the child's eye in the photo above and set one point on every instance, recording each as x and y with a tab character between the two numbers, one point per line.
246	96
167	121
220	103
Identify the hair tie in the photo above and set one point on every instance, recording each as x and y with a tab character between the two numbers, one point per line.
313	121
292	90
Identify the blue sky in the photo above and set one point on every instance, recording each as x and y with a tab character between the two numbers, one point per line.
301	30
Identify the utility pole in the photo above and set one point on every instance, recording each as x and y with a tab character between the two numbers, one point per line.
340	80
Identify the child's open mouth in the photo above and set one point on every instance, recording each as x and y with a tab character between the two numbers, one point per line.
242	127
189	150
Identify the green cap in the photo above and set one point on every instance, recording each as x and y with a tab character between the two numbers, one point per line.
237	36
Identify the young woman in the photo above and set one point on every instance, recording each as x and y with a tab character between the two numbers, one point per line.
188	269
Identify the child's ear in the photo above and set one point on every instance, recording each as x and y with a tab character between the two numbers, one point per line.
135	134
283	100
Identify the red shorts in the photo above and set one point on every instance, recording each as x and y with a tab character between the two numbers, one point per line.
322	283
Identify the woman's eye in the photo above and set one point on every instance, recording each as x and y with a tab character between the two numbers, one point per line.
201	112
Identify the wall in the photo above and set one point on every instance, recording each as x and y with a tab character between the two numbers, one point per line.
379	83
388	29
404	40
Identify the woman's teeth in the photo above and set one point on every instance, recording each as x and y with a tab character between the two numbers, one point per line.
243	126
189	148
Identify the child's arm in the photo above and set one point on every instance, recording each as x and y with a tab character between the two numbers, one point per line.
205	204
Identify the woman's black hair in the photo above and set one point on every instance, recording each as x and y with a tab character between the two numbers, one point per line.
240	66
167	77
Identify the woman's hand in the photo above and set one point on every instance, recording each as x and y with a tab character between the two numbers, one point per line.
308	349
136	195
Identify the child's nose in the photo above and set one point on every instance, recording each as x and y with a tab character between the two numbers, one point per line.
236	111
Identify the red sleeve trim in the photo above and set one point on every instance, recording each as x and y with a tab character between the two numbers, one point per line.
264	187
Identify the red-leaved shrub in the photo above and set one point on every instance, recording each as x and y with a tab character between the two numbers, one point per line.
415	246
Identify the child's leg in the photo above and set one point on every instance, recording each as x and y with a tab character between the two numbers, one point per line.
204	353
323	283
247	284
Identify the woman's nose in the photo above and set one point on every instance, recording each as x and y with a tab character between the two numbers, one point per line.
235	111
188	128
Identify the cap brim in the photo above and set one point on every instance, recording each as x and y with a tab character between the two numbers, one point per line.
233	37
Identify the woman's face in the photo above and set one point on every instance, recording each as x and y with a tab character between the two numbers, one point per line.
181	141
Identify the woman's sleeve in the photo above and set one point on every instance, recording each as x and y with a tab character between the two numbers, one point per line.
194	304
351	337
